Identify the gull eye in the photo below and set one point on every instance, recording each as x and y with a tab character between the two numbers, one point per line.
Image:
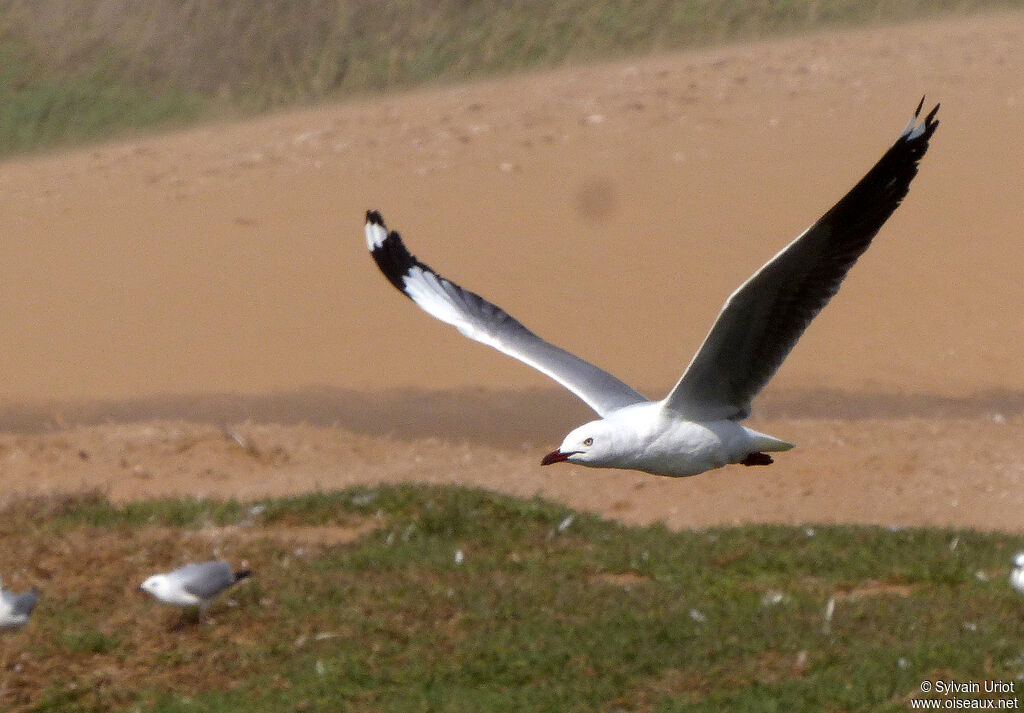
588	442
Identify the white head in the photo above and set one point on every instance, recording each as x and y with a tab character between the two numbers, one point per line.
594	444
157	585
1018	560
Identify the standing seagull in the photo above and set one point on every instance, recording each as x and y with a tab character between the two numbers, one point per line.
194	585
16	608
695	428
1017	573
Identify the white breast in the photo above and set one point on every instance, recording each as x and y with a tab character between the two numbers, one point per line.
663	444
1017	580
173	593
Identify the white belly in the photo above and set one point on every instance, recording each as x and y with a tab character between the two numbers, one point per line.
180	598
10	620
688	448
1017	580
663	444
656	440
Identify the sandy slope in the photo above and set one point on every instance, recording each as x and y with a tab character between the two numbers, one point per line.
897	471
612	208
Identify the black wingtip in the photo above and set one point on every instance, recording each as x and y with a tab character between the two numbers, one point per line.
391	255
930	122
917	112
242	574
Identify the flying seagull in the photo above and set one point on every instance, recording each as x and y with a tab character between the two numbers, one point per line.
194	585
16	608
696	427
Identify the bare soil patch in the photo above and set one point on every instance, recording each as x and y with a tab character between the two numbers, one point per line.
606	206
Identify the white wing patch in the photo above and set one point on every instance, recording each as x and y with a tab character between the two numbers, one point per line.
426	290
484	322
375	235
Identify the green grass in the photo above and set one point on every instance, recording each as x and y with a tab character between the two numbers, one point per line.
548	611
43	108
79	69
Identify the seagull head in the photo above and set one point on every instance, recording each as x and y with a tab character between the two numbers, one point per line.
592	444
1018	560
155	585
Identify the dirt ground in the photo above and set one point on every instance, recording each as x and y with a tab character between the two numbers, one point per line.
168	303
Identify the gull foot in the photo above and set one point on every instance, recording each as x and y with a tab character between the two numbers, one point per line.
757	459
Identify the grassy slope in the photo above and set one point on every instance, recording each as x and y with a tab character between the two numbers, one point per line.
40	108
78	69
549	610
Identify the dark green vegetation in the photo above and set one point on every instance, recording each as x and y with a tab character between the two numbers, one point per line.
45	108
548	610
80	69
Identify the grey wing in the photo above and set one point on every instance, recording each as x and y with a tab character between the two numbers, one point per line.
206	579
19	604
765	317
487	323
24	603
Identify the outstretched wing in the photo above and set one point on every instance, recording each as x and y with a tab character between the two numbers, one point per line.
764	318
487	323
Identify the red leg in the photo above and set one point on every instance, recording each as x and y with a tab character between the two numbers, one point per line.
757	459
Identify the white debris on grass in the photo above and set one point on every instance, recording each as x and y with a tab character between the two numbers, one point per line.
830	609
